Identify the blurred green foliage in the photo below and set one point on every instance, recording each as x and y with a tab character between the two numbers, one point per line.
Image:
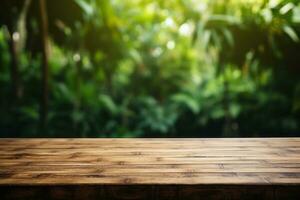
156	68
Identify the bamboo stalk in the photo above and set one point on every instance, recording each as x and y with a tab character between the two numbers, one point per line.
45	65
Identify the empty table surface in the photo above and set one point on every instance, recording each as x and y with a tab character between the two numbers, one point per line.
256	161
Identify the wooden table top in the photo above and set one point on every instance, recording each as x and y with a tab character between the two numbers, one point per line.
268	161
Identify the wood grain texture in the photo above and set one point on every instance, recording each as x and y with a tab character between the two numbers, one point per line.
54	162
150	169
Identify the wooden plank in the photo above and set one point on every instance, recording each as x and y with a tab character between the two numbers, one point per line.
150	169
251	161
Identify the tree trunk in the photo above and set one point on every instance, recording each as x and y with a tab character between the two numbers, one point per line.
16	42
45	65
14	69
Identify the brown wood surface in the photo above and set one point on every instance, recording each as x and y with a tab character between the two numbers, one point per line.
47	162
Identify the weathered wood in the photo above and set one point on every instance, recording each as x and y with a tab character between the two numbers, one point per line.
150	168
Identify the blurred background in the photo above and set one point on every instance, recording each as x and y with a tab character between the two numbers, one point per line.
149	68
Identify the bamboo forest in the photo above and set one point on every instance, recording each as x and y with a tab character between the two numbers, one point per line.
149	68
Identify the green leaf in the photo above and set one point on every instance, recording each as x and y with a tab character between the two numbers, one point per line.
286	8
228	36
226	19
296	15
217	113
108	103
187	101
65	92
291	33
30	112
267	15
206	38
234	110
87	8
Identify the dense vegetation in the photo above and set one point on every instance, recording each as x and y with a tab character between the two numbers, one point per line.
149	68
